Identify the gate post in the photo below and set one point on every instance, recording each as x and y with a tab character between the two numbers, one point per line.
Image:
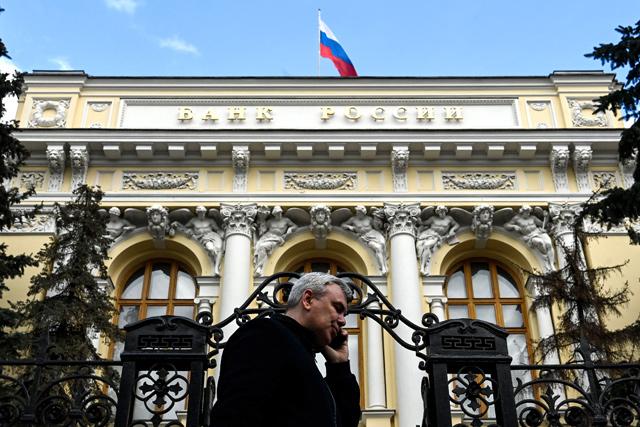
475	354
157	351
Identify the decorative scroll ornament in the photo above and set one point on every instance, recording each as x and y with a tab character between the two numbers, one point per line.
99	107
320	222
402	218
37	224
399	165
40	118
604	180
320	180
240	160
31	179
160	181
79	166
538	106
581	161
56	159
479	181
559	158
579	120
481	224
238	219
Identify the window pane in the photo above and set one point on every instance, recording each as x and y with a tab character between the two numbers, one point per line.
321	267
159	286
183	311
354	350
156	310
186	286
128	314
458	311
512	315
517	345
486	313
508	286
455	285
133	289
352	321
481	280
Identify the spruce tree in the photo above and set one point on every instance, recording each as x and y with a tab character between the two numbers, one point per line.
618	204
586	302
67	301
12	156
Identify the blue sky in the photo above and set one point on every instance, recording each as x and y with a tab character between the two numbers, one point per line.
280	37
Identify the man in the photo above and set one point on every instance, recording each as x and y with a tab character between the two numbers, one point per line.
268	373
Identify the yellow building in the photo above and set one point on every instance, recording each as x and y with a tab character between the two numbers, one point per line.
483	148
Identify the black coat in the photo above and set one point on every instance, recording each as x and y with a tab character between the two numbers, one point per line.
268	377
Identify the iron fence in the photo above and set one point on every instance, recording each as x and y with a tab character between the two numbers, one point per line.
163	376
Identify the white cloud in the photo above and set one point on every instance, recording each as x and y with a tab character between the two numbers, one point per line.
126	6
10	103
179	45
62	63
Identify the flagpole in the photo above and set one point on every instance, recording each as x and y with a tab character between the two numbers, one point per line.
318	43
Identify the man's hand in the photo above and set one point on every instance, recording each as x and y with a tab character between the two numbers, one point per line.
337	355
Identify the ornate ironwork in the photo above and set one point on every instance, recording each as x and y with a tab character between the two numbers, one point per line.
465	363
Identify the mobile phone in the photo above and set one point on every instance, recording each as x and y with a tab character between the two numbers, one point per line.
337	342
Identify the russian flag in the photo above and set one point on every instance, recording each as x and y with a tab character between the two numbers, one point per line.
330	48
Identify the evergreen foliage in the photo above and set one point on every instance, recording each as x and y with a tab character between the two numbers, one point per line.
67	300
618	204
12	155
586	302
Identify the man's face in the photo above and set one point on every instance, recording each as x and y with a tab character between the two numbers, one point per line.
326	314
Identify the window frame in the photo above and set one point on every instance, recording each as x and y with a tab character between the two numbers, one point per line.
470	301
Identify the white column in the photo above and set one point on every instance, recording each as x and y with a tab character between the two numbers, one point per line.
236	276
407	297
434	295
376	395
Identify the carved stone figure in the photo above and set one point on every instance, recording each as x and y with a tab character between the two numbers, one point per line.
367	228
559	158
271	234
320	221
481	222
399	165
117	226
532	230
206	231
158	221
240	161
55	157
432	233
79	165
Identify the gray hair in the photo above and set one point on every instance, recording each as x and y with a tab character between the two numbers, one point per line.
317	283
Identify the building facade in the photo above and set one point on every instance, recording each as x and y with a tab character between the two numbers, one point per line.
440	190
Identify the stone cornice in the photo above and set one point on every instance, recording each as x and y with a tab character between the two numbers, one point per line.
111	145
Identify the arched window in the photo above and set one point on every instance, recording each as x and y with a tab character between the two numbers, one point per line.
486	290
156	288
354	324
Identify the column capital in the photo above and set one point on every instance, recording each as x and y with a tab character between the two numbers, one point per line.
563	217
402	218
238	218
